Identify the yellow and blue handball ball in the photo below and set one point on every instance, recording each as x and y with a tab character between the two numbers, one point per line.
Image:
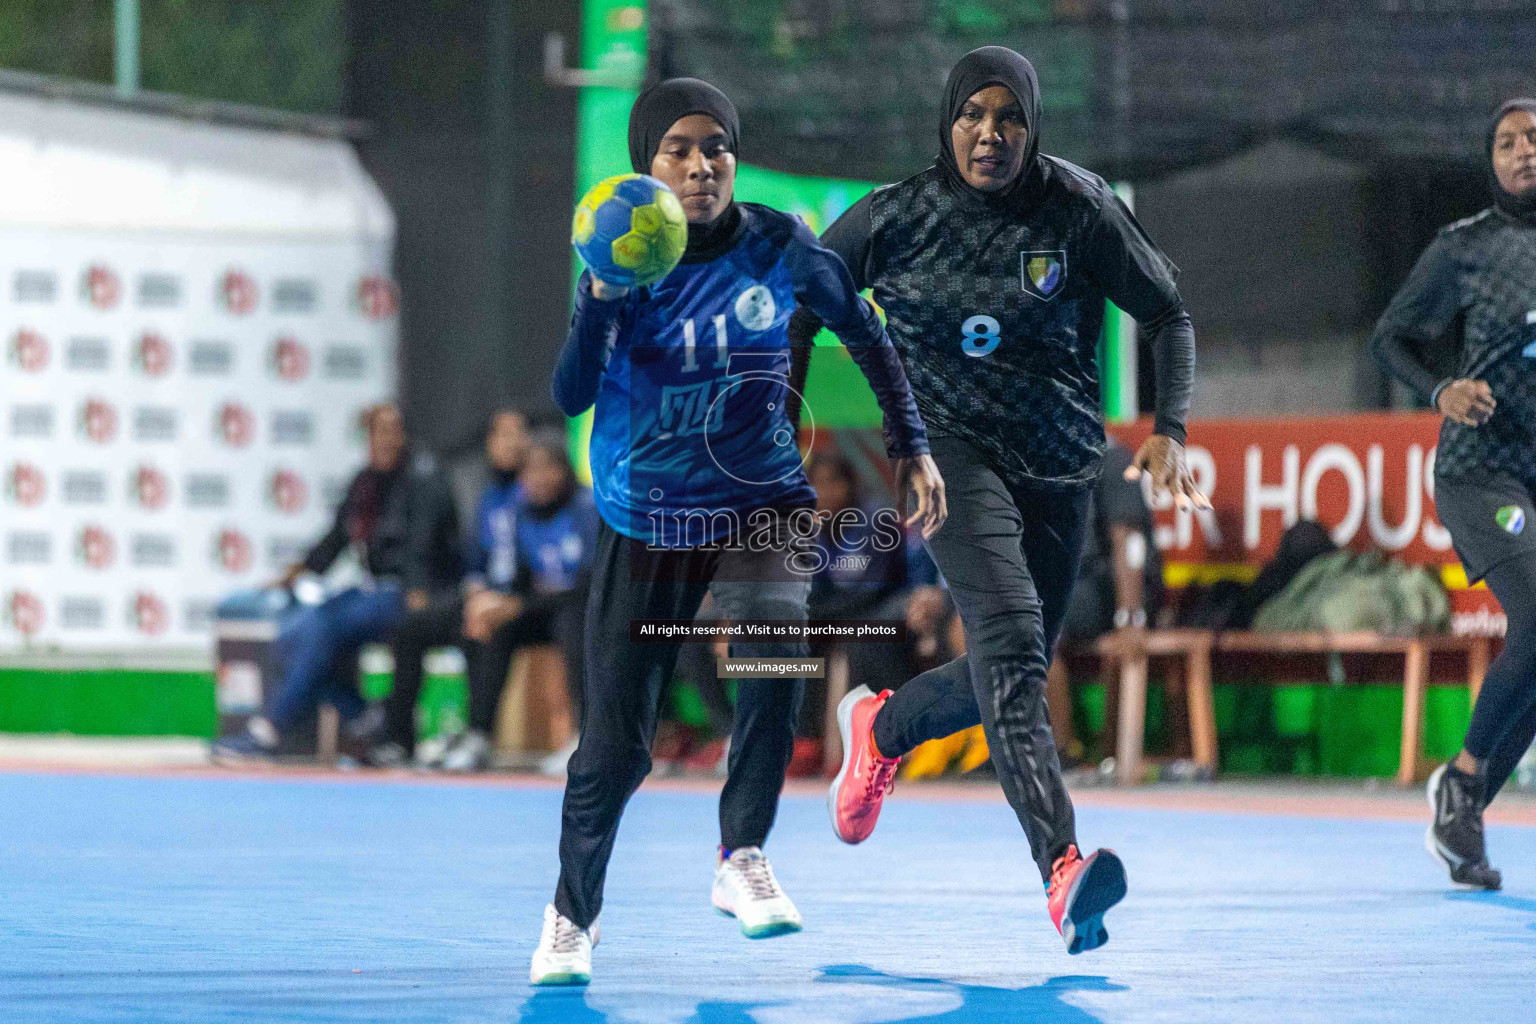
630	230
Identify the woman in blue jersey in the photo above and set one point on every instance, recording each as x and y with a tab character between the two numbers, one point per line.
698	481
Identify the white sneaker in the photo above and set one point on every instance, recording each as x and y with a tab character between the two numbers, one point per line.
431	751
564	956
746	890
555	764
470	753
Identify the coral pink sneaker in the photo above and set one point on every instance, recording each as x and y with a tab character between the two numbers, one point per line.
855	796
1081	890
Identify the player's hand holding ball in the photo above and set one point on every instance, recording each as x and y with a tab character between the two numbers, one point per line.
630	231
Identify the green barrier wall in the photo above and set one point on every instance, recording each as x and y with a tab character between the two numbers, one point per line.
107	702
1301	728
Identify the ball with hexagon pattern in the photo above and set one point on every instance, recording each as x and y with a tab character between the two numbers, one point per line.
630	230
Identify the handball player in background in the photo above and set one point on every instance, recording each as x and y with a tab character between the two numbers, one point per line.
1462	332
992	267
689	452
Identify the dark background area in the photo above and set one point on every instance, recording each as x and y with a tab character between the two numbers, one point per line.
1292	159
1132	88
475	153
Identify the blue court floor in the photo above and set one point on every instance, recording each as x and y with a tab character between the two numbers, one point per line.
166	899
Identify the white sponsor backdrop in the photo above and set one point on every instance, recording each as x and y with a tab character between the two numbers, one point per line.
177	419
192	317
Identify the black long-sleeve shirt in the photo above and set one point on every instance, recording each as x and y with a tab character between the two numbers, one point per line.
1468	310
996	313
404	524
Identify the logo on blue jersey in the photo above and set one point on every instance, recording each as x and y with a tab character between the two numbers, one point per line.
1042	274
755	308
688	409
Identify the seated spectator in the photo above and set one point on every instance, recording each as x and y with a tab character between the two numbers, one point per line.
528	585
843	587
398	518
1120	586
490	560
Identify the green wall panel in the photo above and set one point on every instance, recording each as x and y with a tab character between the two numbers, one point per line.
107	702
1302	729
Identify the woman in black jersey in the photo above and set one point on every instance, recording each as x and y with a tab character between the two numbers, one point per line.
993	267
1469	307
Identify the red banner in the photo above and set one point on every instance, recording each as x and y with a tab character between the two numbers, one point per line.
1368	477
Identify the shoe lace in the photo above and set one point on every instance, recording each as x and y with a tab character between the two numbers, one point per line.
882	779
758	876
1060	867
567	937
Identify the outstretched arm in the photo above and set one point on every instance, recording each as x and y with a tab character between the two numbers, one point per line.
825	288
850	237
326	550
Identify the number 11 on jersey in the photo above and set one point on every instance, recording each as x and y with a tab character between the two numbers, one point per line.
690	344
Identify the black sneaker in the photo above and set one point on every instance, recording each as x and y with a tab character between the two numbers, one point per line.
1455	835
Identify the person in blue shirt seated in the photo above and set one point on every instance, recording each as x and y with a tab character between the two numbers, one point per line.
527	585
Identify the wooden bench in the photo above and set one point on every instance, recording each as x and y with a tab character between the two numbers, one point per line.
1132	652
535	712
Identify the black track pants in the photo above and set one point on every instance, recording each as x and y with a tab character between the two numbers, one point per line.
623	691
1504	720
1010	556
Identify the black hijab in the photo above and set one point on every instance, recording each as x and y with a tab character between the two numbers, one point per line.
1521	208
659	108
993	65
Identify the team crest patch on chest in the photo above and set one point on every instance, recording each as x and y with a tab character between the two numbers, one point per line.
1042	274
1511	519
755	308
